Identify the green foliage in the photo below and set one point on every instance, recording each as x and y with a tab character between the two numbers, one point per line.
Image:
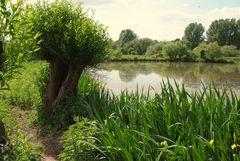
138	58
88	84
69	107
193	34
208	52
137	46
6	116
115	53
224	31
155	49
26	87
79	142
175	51
68	33
18	150
126	36
16	42
173	125
230	51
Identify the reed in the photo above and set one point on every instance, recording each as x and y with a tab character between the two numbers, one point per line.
172	125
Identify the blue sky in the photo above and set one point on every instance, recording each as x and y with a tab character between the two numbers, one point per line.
160	19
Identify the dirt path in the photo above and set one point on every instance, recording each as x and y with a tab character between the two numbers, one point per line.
44	138
48	158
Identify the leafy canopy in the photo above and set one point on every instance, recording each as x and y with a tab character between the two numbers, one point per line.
16	42
126	36
68	33
225	32
175	50
193	34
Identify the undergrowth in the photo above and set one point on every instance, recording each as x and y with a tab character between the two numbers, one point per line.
173	125
25	89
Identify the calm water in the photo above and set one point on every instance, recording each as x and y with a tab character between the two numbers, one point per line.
128	75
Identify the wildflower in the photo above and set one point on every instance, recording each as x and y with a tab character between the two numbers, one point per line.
164	143
234	146
211	141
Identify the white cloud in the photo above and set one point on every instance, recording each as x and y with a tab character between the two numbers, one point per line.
161	20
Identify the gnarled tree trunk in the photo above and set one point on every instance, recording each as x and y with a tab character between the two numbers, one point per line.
2	133
63	77
70	81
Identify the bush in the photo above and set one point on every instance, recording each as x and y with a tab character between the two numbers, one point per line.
18	150
79	142
230	51
208	52
137	46
175	50
155	49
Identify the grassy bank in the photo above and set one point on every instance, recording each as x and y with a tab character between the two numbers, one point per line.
137	58
172	125
125	58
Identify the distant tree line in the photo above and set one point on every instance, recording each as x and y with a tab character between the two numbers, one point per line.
222	40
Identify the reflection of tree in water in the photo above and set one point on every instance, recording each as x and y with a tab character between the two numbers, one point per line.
190	73
128	71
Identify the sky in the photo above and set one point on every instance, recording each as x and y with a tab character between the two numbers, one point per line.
160	19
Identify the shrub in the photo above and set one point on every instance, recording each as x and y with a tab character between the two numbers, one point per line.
175	50
137	46
155	49
230	51
18	150
79	142
208	52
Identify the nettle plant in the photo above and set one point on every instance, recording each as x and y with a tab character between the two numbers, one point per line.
70	41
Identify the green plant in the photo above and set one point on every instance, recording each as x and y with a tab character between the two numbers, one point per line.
193	35
70	106
175	51
208	52
70	42
230	51
18	150
79	142
172	125
26	87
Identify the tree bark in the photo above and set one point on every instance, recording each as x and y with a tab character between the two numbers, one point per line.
58	73
2	133
63	78
71	81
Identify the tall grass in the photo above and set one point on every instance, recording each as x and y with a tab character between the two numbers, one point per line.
24	88
173	125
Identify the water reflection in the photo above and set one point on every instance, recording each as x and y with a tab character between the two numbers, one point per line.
119	76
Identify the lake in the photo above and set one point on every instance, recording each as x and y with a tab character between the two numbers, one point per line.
119	76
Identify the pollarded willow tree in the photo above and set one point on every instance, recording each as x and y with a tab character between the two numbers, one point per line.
70	41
